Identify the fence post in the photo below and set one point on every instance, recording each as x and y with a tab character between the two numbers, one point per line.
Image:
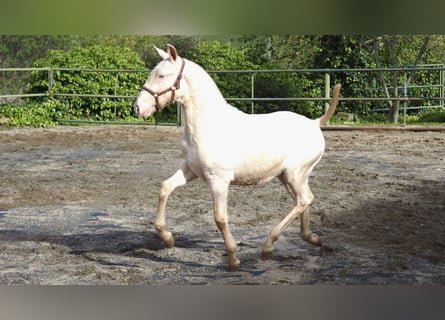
253	92
50	80
179	115
327	91
441	87
116	85
405	95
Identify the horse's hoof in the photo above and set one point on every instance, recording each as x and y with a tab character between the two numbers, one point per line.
315	240
169	240
266	255
233	267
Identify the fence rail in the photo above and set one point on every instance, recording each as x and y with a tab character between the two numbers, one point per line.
403	96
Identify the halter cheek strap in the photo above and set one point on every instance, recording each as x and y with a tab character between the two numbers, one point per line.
176	85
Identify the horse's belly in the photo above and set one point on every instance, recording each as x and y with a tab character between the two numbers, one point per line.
259	171
251	180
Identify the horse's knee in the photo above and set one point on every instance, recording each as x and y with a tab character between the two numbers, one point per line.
164	191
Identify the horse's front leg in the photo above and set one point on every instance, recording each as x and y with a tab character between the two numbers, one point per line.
181	177
219	195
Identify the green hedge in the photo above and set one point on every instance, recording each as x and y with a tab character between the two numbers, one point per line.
87	82
36	115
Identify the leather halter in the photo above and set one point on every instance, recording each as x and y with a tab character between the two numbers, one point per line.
176	85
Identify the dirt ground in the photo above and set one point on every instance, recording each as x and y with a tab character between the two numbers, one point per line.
77	206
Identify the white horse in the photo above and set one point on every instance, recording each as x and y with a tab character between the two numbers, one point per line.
224	146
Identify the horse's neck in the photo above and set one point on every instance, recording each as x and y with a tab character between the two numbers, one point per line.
204	100
203	90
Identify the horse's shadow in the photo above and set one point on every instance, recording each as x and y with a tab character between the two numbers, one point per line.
112	244
95	246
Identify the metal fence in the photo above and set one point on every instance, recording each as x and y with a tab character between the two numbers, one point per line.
431	76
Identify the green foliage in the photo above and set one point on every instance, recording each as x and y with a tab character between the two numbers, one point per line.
374	118
429	116
343	52
22	50
18	51
283	51
249	52
90	82
36	115
143	44
212	55
287	85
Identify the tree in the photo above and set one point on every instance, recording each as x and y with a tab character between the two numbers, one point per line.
347	52
393	51
212	55
282	51
351	51
285	52
18	51
143	44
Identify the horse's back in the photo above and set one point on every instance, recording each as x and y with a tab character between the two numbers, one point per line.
282	129
270	143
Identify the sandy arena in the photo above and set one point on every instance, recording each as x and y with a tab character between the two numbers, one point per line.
77	206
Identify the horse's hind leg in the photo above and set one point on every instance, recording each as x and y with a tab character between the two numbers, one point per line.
306	233
303	199
181	177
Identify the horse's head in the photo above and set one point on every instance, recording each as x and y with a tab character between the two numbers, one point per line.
163	85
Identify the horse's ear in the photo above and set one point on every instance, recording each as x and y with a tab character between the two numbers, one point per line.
162	53
172	52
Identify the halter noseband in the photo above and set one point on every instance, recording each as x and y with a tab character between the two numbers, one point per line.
173	88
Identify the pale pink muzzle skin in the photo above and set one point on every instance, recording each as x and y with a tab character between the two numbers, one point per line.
143	106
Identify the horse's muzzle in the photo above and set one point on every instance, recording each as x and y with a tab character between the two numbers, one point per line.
136	108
